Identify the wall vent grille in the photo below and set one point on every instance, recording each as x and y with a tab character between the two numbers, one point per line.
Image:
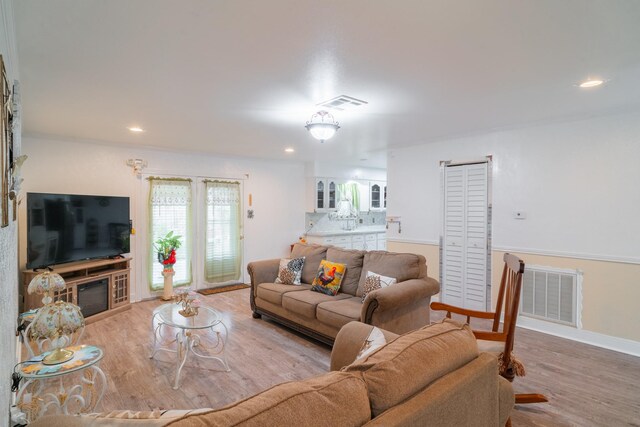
552	294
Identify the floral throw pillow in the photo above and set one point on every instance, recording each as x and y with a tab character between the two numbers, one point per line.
375	281
374	341
290	271
329	277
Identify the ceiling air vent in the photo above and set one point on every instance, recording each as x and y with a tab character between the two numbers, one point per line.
343	102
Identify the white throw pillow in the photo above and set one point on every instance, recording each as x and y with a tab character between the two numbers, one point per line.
290	271
374	341
375	281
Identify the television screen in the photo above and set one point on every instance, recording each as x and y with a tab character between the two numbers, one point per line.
67	227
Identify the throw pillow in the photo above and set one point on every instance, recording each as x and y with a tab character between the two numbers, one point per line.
376	281
374	341
329	277
290	271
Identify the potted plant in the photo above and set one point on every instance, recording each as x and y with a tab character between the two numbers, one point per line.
166	249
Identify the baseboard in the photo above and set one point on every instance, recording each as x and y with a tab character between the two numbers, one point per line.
621	345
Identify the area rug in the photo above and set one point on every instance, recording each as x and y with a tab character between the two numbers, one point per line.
223	289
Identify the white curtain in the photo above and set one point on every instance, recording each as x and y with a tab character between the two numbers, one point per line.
170	210
223	243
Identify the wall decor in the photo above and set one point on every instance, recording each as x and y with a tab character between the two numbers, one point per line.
6	144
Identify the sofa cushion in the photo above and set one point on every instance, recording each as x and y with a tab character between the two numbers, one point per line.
400	266
318	401
339	313
353	259
273	292
413	361
305	302
313	255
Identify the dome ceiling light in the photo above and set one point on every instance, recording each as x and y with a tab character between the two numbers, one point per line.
322	126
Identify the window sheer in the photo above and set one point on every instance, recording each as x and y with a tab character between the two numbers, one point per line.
170	210
223	245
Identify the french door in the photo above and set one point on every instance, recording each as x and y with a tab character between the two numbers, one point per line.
466	271
206	213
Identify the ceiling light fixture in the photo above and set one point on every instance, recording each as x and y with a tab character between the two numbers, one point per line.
322	126
589	83
289	150
135	129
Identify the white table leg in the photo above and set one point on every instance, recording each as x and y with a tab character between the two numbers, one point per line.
183	340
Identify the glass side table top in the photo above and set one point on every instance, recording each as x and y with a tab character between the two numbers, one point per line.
83	357
169	315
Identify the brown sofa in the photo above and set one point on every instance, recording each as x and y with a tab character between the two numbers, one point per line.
398	308
434	376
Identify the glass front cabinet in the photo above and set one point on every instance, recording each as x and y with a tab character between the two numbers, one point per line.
377	195
326	191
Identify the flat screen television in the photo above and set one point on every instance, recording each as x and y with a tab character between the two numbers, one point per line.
69	227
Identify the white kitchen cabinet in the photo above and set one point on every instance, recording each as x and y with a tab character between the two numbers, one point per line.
359	241
377	195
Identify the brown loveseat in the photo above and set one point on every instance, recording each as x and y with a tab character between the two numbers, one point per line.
399	308
434	376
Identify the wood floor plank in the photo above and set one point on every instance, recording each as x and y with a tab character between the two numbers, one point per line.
586	386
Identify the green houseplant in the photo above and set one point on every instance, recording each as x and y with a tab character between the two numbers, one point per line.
166	248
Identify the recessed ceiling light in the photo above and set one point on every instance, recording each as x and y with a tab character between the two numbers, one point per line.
589	83
289	150
135	129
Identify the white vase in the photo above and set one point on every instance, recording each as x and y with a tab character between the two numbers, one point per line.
167	292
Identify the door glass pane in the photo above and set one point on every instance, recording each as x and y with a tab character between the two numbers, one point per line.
170	210
332	195
320	195
375	196
223	250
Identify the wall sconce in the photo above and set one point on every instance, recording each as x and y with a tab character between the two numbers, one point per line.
137	165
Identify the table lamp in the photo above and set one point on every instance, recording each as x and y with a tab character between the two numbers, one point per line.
46	283
57	322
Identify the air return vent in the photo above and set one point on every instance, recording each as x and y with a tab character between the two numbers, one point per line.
552	294
343	102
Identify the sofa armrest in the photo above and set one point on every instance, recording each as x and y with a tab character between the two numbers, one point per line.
402	307
265	271
349	341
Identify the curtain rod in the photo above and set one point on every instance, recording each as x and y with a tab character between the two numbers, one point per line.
219	181
157	178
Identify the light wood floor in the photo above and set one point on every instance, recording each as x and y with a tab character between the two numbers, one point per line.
586	386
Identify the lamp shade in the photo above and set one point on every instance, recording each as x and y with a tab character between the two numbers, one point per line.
57	319
56	323
46	283
322	126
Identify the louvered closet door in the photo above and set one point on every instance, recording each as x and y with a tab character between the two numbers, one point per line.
465	236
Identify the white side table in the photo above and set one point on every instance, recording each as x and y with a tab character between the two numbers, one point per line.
54	389
167	315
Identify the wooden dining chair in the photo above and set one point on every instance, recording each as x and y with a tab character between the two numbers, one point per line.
500	341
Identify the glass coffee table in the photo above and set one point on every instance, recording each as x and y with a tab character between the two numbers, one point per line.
186	339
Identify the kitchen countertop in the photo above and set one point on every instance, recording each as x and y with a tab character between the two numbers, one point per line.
359	230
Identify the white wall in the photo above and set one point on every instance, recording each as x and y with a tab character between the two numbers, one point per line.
577	183
324	169
8	239
88	168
